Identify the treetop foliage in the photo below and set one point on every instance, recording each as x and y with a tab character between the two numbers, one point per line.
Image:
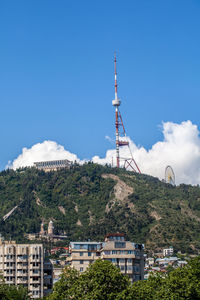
103	281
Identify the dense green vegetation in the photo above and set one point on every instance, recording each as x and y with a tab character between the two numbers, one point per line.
83	204
12	292
103	281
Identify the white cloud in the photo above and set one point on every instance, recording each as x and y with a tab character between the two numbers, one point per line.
48	150
179	148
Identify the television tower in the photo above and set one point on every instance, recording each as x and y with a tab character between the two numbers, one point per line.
128	162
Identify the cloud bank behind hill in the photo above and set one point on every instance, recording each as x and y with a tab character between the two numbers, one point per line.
180	148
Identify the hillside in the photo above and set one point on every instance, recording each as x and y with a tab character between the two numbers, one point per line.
88	201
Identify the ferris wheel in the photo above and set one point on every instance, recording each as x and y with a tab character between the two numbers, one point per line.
169	175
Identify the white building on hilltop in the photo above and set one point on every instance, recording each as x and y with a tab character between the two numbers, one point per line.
53	165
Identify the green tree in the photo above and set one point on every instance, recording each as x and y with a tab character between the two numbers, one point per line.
12	292
64	288
101	281
181	283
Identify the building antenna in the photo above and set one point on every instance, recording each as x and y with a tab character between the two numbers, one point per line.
128	162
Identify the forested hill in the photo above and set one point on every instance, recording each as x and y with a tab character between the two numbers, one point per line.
89	201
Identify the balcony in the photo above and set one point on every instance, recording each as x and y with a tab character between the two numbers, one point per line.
10	281
35	281
35	267
9	267
22	281
33	274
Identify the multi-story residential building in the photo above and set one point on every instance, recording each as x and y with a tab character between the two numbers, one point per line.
128	256
83	253
22	264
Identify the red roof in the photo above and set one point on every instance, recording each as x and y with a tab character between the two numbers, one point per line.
114	234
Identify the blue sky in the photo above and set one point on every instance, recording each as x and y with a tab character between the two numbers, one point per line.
56	71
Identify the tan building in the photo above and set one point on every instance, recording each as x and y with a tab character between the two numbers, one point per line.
127	256
23	264
82	254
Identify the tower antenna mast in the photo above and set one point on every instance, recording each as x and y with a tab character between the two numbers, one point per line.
128	162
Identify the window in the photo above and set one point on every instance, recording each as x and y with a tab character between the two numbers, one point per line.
81	262
107	252
24	278
81	269
114	252
129	260
81	253
35	292
25	264
120	245
136	261
136	269
35	278
92	247
89	253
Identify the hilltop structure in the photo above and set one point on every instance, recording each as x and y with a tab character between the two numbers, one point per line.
53	165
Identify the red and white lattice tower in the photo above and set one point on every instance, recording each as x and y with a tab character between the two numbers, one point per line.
127	162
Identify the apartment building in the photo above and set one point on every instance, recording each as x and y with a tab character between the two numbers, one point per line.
23	264
82	254
127	256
